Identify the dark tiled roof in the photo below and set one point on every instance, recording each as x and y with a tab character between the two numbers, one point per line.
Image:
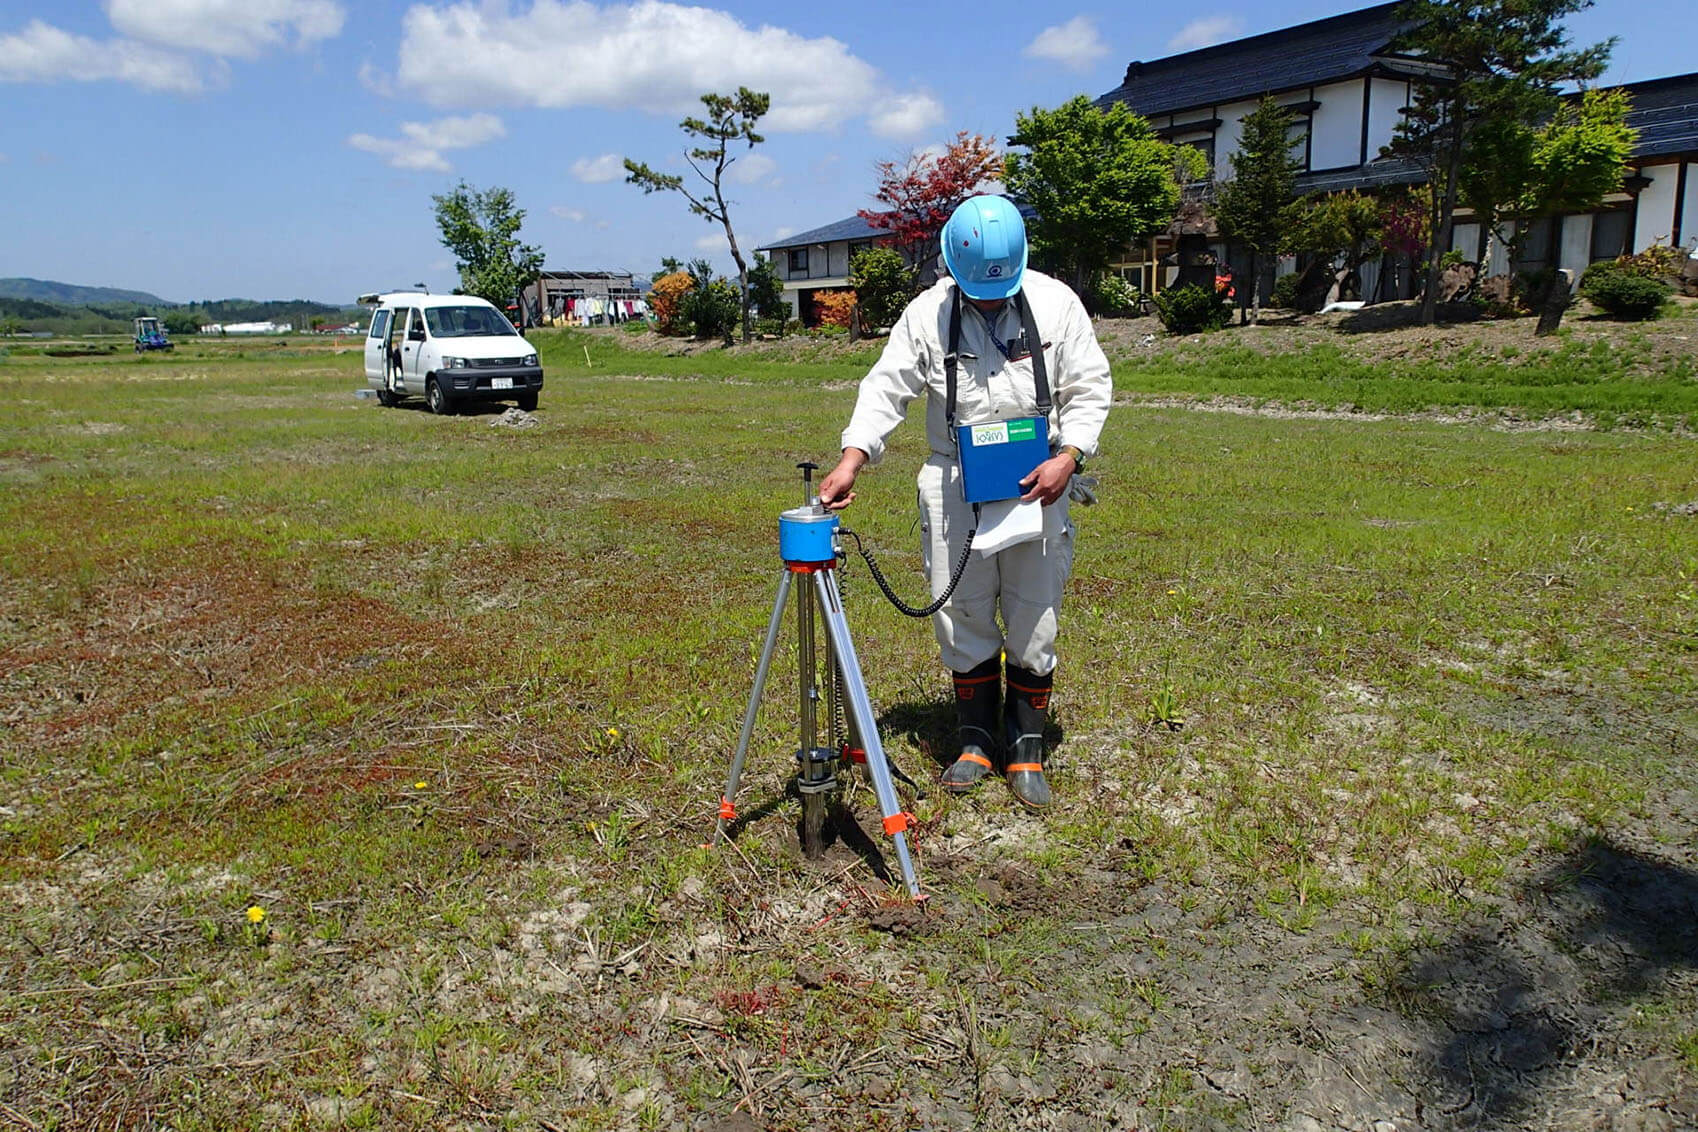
1376	174
1334	48
1665	112
854	228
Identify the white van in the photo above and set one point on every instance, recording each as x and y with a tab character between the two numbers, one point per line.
448	349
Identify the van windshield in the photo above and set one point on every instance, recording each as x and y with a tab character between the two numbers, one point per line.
466	322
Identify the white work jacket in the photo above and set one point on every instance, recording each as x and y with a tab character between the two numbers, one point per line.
988	386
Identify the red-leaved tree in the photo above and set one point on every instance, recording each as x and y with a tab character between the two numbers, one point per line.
924	190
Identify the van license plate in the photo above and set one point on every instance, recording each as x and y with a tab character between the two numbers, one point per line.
501	383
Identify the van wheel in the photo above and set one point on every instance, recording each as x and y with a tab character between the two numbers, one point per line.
528	402
437	399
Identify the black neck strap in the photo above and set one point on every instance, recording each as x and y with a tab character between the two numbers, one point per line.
1028	330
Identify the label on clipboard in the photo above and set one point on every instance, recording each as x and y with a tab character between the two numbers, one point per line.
1004	432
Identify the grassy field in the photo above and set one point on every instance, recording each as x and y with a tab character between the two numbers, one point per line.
357	763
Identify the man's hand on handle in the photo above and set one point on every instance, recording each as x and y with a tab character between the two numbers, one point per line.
1048	481
836	490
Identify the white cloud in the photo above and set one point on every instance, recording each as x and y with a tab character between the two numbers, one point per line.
41	53
575	215
599	170
421	144
649	55
751	168
1074	44
780	233
1206	32
377	80
239	28
905	115
713	243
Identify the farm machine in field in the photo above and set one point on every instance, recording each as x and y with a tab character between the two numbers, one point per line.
150	336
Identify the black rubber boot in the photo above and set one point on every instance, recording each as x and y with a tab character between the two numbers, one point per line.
1024	714
975	721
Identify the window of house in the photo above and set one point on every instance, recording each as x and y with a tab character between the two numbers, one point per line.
1610	231
1535	245
1298	134
798	261
1206	147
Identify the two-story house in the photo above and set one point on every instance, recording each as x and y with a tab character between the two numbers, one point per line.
1347	86
818	260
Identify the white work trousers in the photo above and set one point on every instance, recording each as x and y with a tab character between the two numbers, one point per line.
1023	582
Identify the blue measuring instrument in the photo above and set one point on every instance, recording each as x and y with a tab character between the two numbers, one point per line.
997	455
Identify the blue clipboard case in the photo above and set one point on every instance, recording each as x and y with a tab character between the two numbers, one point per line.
997	455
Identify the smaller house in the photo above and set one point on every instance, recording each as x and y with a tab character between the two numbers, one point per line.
560	298
818	260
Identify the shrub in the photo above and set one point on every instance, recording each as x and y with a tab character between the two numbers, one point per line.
666	300
1114	295
714	308
1622	293
883	283
834	308
1192	309
1285	291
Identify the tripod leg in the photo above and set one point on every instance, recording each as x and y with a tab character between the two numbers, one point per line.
861	710
726	812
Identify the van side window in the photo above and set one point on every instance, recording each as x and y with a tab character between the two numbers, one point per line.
380	322
415	326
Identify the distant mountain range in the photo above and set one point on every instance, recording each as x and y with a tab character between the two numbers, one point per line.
37	305
70	294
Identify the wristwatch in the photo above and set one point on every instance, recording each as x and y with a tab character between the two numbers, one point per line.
1078	456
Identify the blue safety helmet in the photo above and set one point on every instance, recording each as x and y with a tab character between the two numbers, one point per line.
984	247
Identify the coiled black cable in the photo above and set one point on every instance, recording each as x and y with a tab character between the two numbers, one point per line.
904	607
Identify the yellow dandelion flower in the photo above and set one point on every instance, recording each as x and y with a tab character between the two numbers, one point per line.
1172	592
420	785
256	914
613	732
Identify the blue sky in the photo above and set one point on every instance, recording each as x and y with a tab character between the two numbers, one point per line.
275	149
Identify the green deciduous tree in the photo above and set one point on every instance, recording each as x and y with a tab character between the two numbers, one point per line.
1328	228
480	227
882	283
730	118
1496	61
181	321
1099	179
712	303
766	293
1574	161
1254	206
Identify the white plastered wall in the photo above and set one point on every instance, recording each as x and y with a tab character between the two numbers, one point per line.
1230	133
1385	99
1576	250
1656	206
1335	130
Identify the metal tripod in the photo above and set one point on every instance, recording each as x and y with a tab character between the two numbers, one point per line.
807	543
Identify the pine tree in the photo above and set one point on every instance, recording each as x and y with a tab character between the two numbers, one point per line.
730	118
1495	61
1255	206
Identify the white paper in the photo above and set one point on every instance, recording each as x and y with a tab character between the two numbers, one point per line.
1008	522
